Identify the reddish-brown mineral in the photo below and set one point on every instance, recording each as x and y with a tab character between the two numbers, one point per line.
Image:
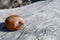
14	22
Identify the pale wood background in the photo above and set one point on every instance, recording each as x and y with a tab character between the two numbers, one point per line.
42	21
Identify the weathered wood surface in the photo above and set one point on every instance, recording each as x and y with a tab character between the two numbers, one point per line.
42	21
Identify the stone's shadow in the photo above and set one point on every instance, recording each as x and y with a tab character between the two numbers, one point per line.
3	28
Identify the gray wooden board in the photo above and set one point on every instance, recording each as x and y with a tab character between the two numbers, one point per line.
42	21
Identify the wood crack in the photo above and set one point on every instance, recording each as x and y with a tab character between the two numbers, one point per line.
22	31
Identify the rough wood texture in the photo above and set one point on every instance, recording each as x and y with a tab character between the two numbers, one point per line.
42	21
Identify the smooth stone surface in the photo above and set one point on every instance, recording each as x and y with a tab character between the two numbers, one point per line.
14	23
